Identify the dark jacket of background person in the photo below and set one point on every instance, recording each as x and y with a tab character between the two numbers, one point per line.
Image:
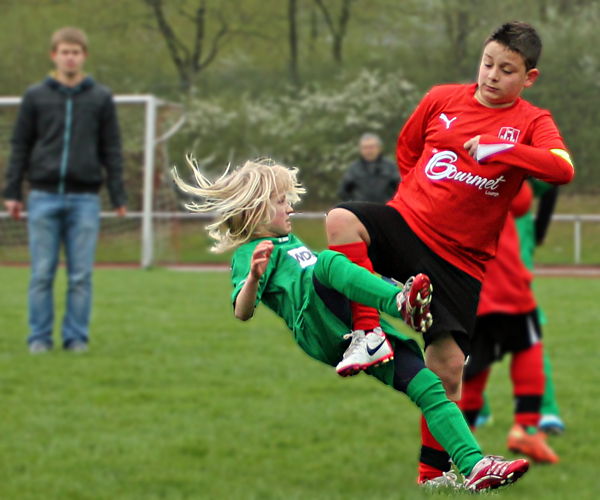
62	138
375	181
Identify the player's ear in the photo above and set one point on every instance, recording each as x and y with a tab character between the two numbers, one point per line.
531	76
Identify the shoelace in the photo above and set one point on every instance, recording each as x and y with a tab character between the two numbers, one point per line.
357	336
446	479
405	292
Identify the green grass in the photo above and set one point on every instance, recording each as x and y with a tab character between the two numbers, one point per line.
178	400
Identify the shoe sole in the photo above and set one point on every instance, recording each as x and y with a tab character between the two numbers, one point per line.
420	304
350	371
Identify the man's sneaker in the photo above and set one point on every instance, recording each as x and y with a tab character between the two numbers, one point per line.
76	346
446	480
414	301
494	472
551	425
39	346
365	350
532	445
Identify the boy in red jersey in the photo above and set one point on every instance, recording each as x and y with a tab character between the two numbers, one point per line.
463	156
508	322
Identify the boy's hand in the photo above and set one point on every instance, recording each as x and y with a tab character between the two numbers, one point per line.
260	259
471	145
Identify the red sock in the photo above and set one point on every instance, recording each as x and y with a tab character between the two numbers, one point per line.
363	317
527	373
434	459
471	401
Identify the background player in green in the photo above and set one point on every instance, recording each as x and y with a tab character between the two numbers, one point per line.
311	293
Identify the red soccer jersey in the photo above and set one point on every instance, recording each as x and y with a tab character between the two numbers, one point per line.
506	287
455	204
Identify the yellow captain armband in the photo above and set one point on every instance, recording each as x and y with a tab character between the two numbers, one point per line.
563	154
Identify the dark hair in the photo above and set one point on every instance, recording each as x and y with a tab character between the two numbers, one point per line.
520	38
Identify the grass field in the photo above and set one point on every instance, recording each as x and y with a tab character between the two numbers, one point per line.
178	400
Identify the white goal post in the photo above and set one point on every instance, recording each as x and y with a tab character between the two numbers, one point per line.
148	142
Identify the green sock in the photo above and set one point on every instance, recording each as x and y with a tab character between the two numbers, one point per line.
549	403
445	420
334	270
486	410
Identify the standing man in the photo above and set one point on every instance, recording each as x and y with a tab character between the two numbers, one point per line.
372	177
66	130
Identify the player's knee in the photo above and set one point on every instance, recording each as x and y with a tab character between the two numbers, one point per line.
343	227
450	371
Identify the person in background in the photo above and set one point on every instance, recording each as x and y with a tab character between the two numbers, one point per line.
372	177
66	131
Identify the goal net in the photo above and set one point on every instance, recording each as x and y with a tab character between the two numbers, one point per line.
144	236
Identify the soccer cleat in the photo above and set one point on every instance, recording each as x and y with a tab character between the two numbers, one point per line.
365	350
484	420
551	425
493	472
446	480
414	301
532	445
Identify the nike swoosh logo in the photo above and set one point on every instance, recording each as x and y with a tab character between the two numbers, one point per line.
373	351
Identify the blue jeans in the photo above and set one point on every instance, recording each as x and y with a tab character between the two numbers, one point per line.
74	220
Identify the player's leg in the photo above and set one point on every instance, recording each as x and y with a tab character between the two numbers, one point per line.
551	422
472	399
446	359
527	374
81	235
44	227
448	426
347	235
485	415
484	349
335	270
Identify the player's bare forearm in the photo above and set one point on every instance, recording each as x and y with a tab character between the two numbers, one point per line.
244	303
246	299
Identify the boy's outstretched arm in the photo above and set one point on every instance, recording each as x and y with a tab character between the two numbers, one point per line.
246	299
552	165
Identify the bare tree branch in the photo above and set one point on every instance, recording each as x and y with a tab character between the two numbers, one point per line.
338	31
190	62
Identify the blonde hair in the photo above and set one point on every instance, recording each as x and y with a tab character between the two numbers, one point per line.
69	35
242	198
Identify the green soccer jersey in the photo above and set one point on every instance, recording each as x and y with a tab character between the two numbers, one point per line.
288	289
526	229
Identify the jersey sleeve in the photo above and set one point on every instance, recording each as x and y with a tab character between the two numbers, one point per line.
411	140
240	268
546	157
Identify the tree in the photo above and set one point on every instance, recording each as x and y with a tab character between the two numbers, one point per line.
293	40
190	61
337	29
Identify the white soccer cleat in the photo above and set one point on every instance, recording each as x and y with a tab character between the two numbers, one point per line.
448	480
365	350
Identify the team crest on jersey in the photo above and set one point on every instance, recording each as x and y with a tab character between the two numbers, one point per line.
509	134
303	256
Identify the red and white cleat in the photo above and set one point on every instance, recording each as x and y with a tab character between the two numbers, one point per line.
414	301
493	472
